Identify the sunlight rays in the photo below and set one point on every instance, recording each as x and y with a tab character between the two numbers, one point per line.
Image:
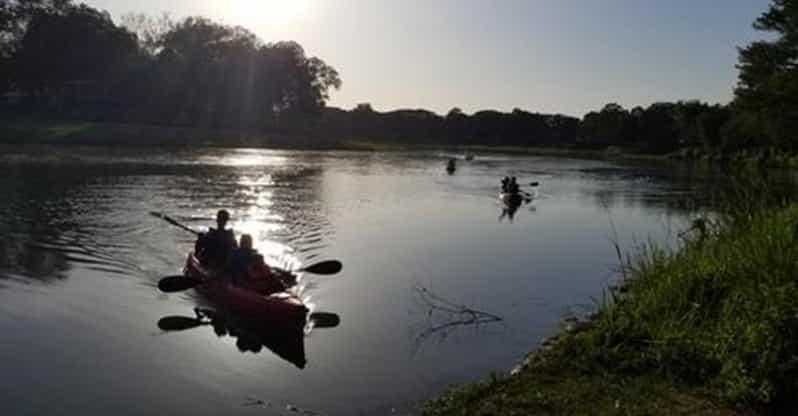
267	12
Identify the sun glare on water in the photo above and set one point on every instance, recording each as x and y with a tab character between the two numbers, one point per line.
270	12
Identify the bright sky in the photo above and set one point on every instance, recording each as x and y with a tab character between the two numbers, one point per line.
550	56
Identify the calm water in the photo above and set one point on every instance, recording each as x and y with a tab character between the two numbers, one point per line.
80	258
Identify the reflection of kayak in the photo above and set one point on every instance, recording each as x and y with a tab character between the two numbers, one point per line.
451	165
511	200
282	310
253	336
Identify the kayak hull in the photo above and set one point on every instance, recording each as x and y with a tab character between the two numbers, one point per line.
281	310
511	200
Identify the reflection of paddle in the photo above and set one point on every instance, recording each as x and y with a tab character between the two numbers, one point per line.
529	196
179	323
182	323
179	283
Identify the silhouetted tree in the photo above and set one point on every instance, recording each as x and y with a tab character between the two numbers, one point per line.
149	30
612	125
768	84
209	74
710	125
70	45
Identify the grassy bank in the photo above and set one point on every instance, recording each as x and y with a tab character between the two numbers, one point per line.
709	329
756	157
41	131
608	153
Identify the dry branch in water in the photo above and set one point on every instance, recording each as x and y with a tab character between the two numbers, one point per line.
444	315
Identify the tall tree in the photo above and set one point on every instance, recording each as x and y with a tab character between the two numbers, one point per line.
77	43
767	91
149	30
15	16
208	73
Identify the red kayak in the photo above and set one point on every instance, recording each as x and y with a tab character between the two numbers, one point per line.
253	300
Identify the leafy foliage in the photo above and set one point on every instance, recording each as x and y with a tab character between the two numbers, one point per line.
766	94
78	63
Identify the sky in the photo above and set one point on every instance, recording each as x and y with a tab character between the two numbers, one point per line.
548	56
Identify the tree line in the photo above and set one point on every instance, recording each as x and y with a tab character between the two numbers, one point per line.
72	61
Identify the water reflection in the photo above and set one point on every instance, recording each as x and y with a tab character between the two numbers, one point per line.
252	336
47	225
509	210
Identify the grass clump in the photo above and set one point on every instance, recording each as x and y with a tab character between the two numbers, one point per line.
711	328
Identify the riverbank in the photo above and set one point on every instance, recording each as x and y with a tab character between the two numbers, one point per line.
38	131
710	329
754	158
612	152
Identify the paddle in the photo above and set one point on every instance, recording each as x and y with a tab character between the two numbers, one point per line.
172	221
527	194
323	267
325	319
179	283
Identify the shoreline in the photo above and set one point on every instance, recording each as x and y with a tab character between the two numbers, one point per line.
33	131
682	335
72	133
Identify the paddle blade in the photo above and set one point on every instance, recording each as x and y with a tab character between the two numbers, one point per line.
534	184
325	267
177	283
325	319
178	323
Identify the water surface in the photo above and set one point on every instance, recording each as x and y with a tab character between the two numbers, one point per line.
80	258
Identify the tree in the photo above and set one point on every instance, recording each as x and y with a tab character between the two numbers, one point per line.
686	114
77	43
612	125
659	129
208	73
710	125
364	108
15	16
768	82
149	30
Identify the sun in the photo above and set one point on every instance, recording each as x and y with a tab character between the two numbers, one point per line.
269	12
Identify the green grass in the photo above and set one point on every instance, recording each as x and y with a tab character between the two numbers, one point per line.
753	157
709	329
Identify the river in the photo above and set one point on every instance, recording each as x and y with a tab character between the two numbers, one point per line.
80	258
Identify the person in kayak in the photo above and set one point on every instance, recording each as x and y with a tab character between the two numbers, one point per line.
513	187
247	268
505	183
241	259
215	246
